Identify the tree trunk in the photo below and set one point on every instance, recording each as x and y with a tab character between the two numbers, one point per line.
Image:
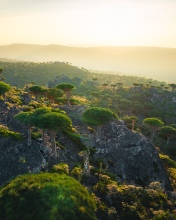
53	142
152	136
168	139
43	135
5	99
29	136
86	166
133	122
68	99
98	132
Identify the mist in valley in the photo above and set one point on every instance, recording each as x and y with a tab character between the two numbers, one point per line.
150	62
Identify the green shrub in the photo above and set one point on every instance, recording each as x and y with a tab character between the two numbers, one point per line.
61	168
35	135
5	132
163	215
77	173
172	175
46	196
171	150
36	104
132	202
144	129
167	161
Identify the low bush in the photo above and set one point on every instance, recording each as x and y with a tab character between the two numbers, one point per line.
5	132
46	196
61	168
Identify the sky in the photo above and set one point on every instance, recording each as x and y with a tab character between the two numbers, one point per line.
89	22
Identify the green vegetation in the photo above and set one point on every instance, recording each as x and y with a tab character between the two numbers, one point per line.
169	132
36	90
167	161
61	168
97	116
21	73
26	119
5	132
47	119
46	196
67	88
143	105
4	87
130	121
129	202
154	124
170	167
52	122
53	94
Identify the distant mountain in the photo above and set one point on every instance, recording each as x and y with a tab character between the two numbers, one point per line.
151	62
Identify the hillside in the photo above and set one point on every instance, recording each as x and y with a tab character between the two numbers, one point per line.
21	73
113	153
158	63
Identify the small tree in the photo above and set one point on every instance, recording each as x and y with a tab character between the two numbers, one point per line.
154	124
169	132
97	116
52	122
67	88
36	90
1	70
105	85
54	93
173	86
4	87
85	154
40	111
1	77
26	119
35	117
131	119
172	125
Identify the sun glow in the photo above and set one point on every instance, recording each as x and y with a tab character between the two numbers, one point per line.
145	23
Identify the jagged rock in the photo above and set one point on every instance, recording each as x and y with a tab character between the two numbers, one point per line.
130	156
16	158
25	98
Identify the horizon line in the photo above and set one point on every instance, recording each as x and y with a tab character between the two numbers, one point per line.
85	45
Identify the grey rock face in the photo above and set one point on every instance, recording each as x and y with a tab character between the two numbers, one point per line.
16	158
130	156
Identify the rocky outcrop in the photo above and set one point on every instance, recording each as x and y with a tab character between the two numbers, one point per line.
130	156
17	158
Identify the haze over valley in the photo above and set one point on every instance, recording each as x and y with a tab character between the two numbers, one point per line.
151	62
130	36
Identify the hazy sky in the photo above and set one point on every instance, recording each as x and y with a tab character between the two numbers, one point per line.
89	22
